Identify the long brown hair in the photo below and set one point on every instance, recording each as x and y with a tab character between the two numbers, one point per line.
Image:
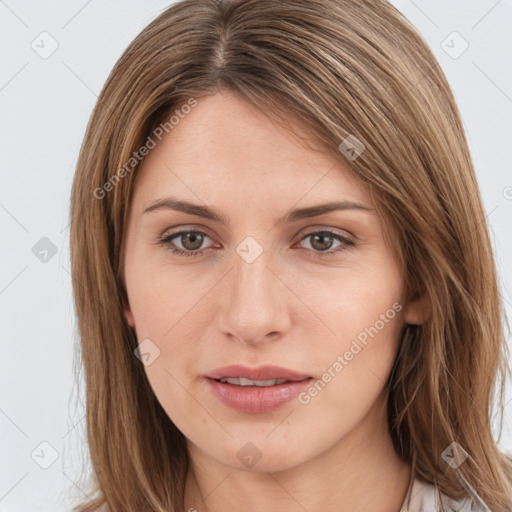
345	68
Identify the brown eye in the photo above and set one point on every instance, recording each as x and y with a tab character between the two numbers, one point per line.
189	242
322	241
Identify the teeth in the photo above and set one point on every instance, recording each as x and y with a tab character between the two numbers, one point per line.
248	382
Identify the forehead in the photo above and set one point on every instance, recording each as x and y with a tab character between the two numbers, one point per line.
226	150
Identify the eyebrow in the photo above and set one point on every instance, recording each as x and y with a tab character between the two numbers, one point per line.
171	203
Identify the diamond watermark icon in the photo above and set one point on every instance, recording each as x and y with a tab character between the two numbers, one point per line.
44	250
351	147
45	45
249	454
44	455
147	352
454	45
249	249
454	455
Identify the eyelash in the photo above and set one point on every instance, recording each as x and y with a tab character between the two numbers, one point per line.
165	241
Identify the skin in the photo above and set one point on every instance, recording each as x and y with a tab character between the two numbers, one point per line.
293	306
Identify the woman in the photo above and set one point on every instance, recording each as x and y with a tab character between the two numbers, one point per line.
283	278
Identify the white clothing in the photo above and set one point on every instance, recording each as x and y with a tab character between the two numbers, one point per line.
423	499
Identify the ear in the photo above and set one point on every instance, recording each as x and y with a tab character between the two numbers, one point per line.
418	309
129	316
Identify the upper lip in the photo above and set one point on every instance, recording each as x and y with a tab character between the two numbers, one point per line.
266	372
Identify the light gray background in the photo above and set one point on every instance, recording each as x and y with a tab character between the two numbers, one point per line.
45	107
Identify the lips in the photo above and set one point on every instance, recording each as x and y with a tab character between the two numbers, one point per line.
256	399
262	373
256	390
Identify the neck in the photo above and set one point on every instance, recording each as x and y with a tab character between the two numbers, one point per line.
361	472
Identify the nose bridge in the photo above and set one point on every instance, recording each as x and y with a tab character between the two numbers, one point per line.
256	303
251	277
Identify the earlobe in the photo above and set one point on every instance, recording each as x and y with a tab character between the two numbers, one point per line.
129	316
418	309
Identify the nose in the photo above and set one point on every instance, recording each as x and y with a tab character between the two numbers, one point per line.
255	302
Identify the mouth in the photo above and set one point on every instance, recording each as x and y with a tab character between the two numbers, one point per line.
259	390
243	382
267	375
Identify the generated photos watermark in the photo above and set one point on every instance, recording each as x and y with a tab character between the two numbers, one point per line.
356	346
138	156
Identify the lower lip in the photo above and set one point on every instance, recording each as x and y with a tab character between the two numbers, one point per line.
252	399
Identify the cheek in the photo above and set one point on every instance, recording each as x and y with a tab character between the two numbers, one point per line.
363	311
356	368
168	308
160	296
350	302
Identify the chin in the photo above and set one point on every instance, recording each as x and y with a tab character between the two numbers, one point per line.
261	456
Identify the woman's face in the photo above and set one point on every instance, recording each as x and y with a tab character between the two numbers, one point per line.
268	281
